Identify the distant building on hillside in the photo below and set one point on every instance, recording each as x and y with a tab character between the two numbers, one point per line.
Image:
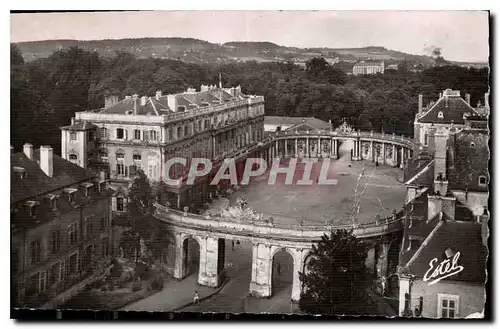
393	67
368	67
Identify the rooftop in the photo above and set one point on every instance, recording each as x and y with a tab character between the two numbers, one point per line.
35	182
452	106
296	122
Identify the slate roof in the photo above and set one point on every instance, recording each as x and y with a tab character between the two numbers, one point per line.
463	237
80	126
295	122
453	108
152	107
36	182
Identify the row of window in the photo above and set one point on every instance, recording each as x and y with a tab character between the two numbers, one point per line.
88	230
61	270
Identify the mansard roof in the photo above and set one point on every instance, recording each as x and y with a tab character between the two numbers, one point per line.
463	237
129	105
453	108
298	123
80	126
36	182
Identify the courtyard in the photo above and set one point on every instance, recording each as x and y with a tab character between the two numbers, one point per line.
362	191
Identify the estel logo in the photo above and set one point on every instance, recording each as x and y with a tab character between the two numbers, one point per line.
446	268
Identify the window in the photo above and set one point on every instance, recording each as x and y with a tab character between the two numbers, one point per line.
88	226
199	125
482	180
103	223
104	133
35	251
186	130
170	134
73	233
120	204
120	157
73	157
120	169
73	263
54	273
137	134
426	139
55	241
440	115
72	136
71	196
104	247
153	135
448	306
179	132
120	133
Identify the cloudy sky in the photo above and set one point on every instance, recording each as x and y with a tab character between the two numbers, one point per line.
461	35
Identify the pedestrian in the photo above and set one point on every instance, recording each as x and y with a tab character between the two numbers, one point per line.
196	298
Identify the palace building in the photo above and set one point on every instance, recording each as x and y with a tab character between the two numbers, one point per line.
60	226
368	67
145	132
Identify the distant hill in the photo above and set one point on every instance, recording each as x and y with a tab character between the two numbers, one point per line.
200	51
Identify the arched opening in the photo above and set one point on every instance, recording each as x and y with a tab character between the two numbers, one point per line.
191	257
306	269
282	275
392	268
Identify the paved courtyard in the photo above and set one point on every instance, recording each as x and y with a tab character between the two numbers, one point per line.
377	190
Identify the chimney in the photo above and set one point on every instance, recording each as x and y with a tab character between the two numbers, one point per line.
420	104
440	141
134	99
487	100
128	97
172	102
434	206
440	95
448	204
144	100
46	160
483	219
158	95
72	121
110	101
467	98
28	150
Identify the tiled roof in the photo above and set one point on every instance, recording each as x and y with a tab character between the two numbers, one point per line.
152	107
36	182
79	126
468	158
453	108
463	237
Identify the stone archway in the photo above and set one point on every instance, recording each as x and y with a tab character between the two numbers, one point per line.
282	274
191	249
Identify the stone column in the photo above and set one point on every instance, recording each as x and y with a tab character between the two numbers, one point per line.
409	154
260	286
277	149
394	157
383	153
382	259
209	256
179	257
298	266
336	144
307	148
286	148
331	148
318	150
360	149
402	164
371	150
296	148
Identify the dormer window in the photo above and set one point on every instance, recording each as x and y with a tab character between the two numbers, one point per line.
472	144
72	136
71	194
21	171
53	201
440	115
483	181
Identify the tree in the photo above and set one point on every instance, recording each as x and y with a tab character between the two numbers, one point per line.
336	277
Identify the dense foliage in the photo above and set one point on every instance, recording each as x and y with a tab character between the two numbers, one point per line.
45	93
336	278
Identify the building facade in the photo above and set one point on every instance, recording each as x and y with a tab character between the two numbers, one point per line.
442	268
145	132
368	67
60	227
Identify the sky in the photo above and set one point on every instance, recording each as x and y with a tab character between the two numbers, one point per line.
461	35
